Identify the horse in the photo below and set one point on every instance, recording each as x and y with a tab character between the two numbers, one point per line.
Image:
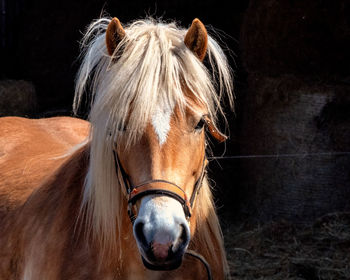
124	195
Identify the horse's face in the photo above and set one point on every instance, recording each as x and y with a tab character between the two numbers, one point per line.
172	148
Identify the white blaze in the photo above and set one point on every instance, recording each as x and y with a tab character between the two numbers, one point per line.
161	122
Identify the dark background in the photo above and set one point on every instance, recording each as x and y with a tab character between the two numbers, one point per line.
292	84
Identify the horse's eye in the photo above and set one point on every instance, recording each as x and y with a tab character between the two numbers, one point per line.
200	124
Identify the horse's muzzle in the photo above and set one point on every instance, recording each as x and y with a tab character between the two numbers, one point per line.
158	256
162	233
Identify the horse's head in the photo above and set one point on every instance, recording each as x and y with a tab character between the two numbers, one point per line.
163	170
152	99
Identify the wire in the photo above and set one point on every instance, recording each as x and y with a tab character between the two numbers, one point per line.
283	155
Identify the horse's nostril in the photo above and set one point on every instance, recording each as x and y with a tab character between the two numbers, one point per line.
139	233
182	241
184	236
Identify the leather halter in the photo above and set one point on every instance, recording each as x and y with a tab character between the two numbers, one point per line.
159	187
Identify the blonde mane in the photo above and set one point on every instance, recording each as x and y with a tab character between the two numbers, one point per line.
150	66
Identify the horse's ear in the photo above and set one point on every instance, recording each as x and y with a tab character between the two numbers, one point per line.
114	34
196	39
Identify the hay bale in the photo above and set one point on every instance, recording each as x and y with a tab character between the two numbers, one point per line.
283	250
285	115
17	98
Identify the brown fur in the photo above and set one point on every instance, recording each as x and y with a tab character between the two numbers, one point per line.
29	151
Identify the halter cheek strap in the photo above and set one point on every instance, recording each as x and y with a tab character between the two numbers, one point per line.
157	187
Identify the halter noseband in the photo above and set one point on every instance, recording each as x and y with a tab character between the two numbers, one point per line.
159	187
